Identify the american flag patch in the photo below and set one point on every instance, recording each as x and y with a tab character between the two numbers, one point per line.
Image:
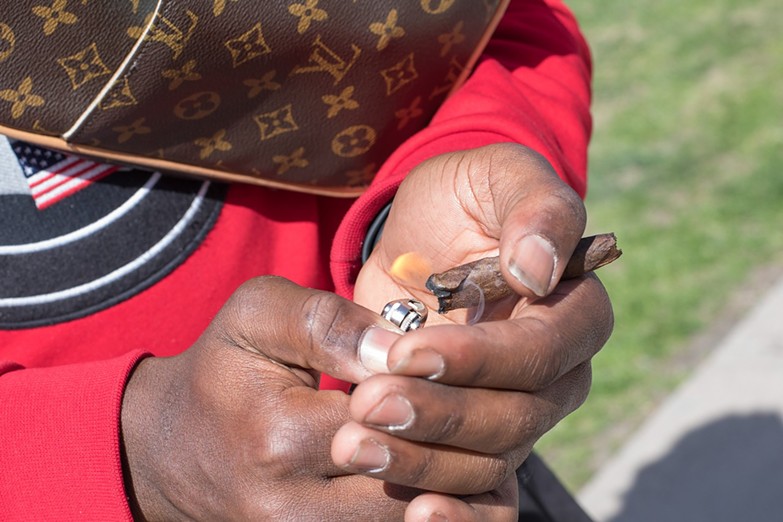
53	176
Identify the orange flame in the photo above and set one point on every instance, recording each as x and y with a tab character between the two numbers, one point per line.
411	270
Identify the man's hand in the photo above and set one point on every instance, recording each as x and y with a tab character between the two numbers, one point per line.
492	388
235	429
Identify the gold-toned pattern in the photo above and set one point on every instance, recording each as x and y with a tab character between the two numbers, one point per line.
248	46
40	129
387	30
275	123
294	160
354	141
70	49
259	85
7	42
341	101
219	7
197	106
453	74
54	16
310	94
408	114
84	66
167	32
307	13
120	95
209	145
21	98
452	38
361	177
126	132
323	59
401	74
436	6
186	73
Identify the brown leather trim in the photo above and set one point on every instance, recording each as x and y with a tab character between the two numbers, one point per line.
57	143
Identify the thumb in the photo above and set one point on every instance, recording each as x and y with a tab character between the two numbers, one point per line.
305	328
541	218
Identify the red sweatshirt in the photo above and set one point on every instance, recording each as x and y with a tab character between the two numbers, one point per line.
61	385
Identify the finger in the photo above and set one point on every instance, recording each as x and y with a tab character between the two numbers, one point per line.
482	420
547	339
541	219
444	469
360	498
304	328
499	505
305	419
344	498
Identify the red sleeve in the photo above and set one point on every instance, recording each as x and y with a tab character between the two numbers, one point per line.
531	86
59	441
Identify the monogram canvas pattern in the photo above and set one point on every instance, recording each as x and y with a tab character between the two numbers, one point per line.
307	94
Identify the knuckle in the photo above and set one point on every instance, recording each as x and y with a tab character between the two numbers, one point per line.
522	426
283	452
478	372
495	473
527	428
258	286
322	313
567	198
243	308
448	430
478	369
253	296
552	367
419	473
511	155
543	362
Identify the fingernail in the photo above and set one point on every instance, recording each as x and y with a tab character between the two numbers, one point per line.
371	457
533	263
421	363
374	348
437	517
394	412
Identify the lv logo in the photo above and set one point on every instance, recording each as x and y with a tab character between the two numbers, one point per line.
167	32
324	59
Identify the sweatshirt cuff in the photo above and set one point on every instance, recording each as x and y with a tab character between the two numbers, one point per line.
60	441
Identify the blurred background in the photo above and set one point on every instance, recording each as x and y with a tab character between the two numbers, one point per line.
686	167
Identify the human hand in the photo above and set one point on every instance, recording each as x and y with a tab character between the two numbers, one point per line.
492	388
234	427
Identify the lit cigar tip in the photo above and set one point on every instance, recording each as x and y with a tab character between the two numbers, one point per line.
411	269
480	281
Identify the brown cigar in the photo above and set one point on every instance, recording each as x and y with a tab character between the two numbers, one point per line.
465	285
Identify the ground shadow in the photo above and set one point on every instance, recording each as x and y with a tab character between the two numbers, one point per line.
728	470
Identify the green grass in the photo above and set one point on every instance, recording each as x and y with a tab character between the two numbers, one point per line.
687	169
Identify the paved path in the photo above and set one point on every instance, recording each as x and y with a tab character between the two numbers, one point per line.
713	452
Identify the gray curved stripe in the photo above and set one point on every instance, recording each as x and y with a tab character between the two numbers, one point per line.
120	272
108	219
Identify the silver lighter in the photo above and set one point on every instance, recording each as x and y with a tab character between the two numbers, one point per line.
407	314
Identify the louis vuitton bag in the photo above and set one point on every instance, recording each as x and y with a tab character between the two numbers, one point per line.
308	95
